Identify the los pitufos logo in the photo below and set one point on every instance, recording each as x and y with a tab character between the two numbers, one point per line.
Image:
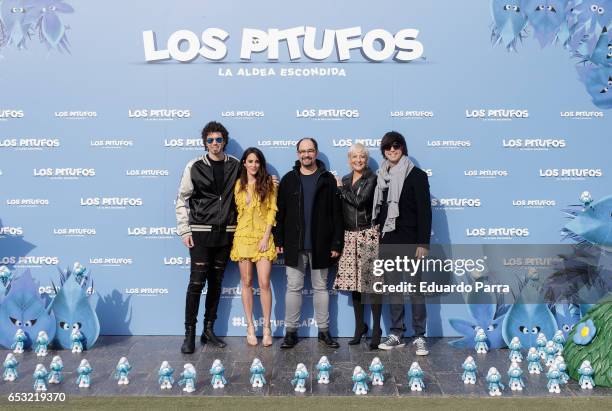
375	45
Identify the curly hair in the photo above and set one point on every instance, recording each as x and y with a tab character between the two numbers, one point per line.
215	127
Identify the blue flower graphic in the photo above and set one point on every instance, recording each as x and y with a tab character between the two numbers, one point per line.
585	332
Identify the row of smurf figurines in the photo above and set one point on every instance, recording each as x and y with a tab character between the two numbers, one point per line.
258	380
42	342
549	351
556	374
42	377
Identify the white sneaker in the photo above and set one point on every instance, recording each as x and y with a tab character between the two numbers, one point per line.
421	346
392	341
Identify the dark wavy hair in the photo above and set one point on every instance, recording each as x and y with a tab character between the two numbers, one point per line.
390	138
215	127
263	180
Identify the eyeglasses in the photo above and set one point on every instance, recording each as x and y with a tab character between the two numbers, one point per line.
309	151
395	146
217	140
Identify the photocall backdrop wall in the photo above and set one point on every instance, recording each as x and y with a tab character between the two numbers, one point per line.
96	130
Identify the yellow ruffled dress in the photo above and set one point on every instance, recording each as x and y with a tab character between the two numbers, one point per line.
253	218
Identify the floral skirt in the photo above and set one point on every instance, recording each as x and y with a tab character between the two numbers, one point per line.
357	260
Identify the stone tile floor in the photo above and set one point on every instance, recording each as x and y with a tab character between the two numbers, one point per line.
145	353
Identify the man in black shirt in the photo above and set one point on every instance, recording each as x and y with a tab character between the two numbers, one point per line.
309	231
206	222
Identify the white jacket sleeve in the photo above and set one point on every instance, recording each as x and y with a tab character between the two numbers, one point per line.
184	192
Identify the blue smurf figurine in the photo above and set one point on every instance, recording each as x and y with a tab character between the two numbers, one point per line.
299	378
257	374
166	376
559	341
19	341
217	370
551	352
55	370
516	377
533	361
560	361
42	343
188	378
10	367
40	378
360	381
84	370
586	376
5	275
495	385
515	350
324	367
541	344
415	377
554	379
77	340
122	371
481	341
469	371
376	370
79	272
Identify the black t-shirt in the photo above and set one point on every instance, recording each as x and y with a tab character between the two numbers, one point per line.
217	168
309	187
215	238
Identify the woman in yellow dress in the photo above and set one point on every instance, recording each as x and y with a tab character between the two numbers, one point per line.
255	196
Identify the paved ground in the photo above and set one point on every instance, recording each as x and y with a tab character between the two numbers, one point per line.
145	353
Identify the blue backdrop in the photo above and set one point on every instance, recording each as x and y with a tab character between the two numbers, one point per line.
93	137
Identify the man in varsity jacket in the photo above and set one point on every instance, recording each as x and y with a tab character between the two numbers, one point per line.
206	222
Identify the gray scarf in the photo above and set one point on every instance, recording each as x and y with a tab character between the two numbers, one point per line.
393	180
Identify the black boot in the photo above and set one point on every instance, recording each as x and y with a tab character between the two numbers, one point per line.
376	330
361	328
291	339
360	331
208	336
326	339
188	346
375	340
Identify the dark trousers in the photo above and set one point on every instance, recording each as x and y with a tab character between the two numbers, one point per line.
358	309
207	264
407	237
419	317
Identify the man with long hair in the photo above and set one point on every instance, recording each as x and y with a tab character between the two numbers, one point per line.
402	210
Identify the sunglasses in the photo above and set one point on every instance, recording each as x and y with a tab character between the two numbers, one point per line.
217	140
395	146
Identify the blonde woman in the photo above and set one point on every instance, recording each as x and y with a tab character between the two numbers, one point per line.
255	196
360	240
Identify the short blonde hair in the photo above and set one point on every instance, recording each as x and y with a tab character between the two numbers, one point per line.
358	147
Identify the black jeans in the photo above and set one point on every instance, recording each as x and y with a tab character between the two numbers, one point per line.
207	264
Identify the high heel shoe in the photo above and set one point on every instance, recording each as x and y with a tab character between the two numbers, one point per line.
267	335
359	334
250	337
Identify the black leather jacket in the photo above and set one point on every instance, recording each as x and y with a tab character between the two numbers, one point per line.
357	200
